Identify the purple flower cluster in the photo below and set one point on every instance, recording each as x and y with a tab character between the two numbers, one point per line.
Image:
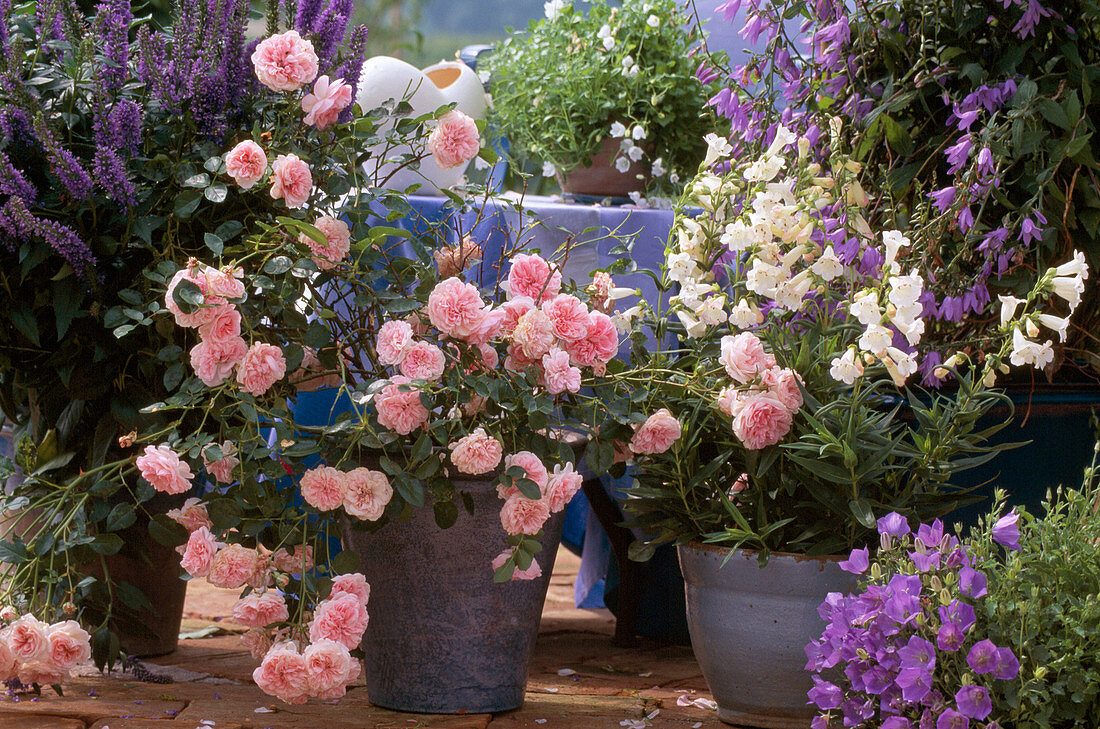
17	224
906	652
112	26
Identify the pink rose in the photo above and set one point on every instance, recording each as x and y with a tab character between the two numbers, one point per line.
489	327
191	515
599	344
330	668
296	561
367	495
513	309
534	334
529	462
562	485
353	584
224	324
195	273
455	308
28	638
657	433
454	141
763	421
225	283
163	469
198	553
558	375
533	572
222	469
7	662
69	644
392	342
233	566
489	357
328	99
731	400
521	515
401	412
214	362
783	383
246	163
476	453
259	609
342	619
285	62
291	180
337	241
283	674
257	641
323	487
533	277
423	361
744	357
261	577
263	365
569	316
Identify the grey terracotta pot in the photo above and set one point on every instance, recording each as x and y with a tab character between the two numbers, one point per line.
443	638
749	627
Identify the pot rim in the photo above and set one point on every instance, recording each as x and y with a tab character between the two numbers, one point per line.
797	557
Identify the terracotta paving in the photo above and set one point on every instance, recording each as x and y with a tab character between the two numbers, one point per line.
610	687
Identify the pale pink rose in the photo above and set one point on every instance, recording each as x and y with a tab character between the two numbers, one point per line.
162	468
783	383
285	62
330	668
657	433
226	282
529	462
7	661
423	361
283	674
451	261
224	324
246	163
323	487
291	180
731	400
324	105
367	495
455	308
562	485
558	375
521	515
533	572
28	638
489	357
401	412
569	315
392	342
534	333
744	357
337	242
222	469
263	365
476	453
191	515
262	576
516	360
258	642
513	309
198	553
454	141
353	584
195	273
599	344
533	277
42	672
214	362
69	644
296	561
260	609
488	328
762	422
342	619
232	566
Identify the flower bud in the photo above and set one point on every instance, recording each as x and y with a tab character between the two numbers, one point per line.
1031	328
945	596
8	613
69	608
884	541
1040	673
876	571
935	583
282	580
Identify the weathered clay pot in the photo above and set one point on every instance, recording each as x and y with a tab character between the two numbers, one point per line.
749	627
602	177
443	637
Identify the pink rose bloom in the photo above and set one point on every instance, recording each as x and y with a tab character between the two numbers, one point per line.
529	462
516	360
263	365
323	487
455	308
489	357
353	584
392	342
28	638
476	453
599	344
259	609
762	422
744	357
291	180
534	333
226	282
162	468
224	324
261	577
558	375
367	495
533	277
330	668
513	309
783	383
258	642
338	242
533	572
489	327
569	315
285	62
296	561
191	515
69	644
198	553
401	412
233	566
731	400
283	674
222	469
521	515
214	362
196	274
657	433
7	662
562	485
328	99
739	485
454	141
423	361
246	163
342	619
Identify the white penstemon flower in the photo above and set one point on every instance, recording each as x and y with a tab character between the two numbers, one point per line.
1026	351
652	21
865	309
548	169
745	315
717	148
713	310
846	368
894	241
828	266
554	8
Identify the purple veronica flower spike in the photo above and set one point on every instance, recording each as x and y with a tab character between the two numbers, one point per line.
1006	532
982	657
857	561
974	702
893	524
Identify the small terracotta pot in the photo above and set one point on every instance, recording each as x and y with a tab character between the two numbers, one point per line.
602	178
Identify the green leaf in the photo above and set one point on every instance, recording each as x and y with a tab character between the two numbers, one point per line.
229	230
861	510
214	243
344	563
14	552
278	265
121	516
167	532
446	514
173	376
640	551
216	193
66	303
106	544
200	180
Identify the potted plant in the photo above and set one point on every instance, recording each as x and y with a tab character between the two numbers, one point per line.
607	98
